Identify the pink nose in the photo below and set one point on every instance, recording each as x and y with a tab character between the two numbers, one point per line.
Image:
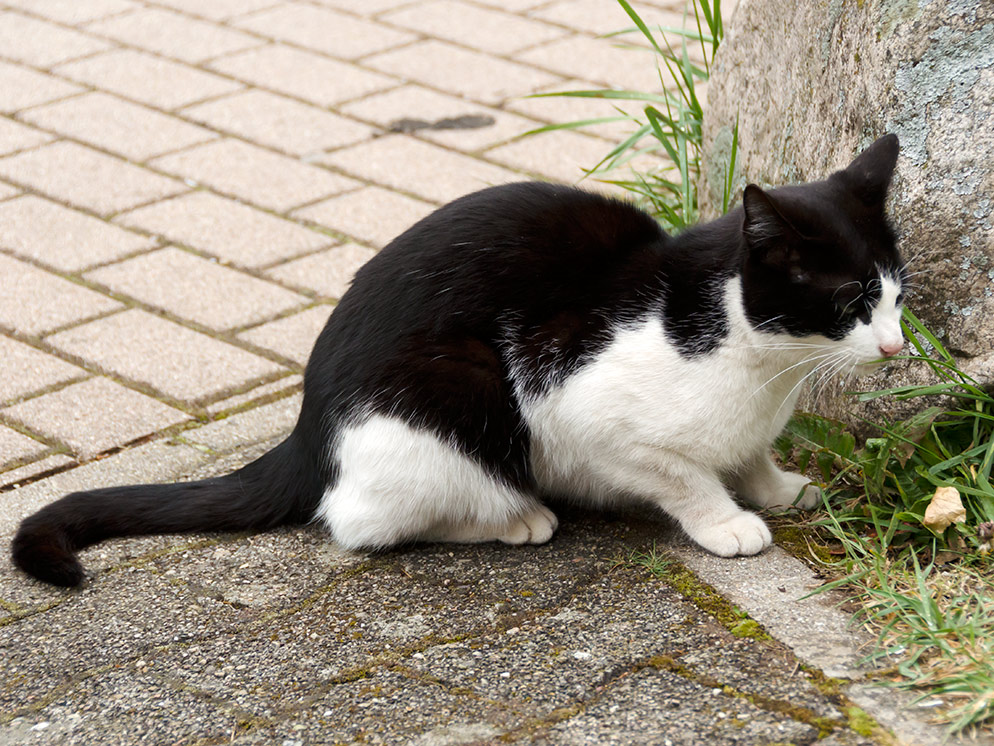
889	349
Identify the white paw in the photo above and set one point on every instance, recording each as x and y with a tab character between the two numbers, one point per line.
535	527
742	534
791	485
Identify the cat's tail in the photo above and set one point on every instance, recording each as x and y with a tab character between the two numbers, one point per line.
283	486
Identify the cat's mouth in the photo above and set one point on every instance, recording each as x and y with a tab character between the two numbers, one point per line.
869	367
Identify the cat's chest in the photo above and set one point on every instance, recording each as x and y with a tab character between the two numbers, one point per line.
720	408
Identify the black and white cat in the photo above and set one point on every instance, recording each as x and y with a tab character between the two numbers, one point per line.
534	339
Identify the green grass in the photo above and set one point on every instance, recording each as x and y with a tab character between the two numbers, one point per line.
927	590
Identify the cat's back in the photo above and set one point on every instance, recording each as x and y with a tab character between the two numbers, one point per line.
520	228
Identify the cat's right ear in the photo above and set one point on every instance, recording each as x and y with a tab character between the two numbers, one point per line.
768	234
764	224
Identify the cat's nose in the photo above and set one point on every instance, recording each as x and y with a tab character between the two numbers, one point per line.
889	349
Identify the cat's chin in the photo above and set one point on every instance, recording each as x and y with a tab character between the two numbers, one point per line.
862	370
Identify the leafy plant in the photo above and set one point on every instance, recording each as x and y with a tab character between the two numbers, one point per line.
671	120
926	590
891	479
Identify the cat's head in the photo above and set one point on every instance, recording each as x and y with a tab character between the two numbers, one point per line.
822	263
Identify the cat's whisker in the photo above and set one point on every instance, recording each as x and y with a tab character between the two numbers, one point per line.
788	369
830	361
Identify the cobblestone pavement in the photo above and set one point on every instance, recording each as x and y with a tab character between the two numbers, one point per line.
187	186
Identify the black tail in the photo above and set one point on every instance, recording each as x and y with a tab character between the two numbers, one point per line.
283	486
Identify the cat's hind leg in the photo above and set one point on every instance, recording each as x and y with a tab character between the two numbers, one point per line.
399	483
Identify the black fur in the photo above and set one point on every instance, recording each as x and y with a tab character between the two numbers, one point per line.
529	275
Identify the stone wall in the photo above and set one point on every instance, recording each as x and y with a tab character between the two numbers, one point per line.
811	83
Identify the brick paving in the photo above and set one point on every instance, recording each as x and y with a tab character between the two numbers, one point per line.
187	186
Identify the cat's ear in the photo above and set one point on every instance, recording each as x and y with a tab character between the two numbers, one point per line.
769	234
869	175
764	223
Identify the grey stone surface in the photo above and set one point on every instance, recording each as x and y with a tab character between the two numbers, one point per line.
811	84
283	637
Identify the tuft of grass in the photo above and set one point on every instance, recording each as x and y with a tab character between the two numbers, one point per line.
671	120
927	591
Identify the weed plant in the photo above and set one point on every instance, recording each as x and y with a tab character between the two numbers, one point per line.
671	119
927	590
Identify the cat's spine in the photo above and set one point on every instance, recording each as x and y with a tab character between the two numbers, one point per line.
283	486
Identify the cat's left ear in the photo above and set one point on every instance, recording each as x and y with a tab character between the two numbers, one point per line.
769	234
869	175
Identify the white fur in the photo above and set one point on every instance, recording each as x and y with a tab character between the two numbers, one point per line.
640	421
398	483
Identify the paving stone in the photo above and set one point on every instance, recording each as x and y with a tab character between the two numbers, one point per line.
14	136
364	7
73	646
254	174
174	360
472	26
446	120
255	425
512	5
72	12
371	214
432	172
195	288
26	294
43	44
324	30
599	61
58	236
599	18
21	87
329	272
85	177
471	74
15	477
94	415
174	35
144	77
217	10
128	129
228	229
560	156
289	384
17	447
305	75
280	122
292	336
24	369
388	707
109	708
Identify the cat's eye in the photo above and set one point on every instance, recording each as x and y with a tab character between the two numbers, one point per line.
899	300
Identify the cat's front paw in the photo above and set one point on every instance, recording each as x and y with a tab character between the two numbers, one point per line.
535	527
791	486
742	534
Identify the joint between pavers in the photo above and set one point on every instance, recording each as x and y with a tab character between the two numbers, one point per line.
54	445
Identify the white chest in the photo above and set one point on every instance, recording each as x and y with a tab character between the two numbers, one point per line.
718	409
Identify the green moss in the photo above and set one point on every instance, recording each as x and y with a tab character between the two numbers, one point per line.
800	543
747	628
708	600
860	722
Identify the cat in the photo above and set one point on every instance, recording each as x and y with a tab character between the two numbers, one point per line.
535	339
